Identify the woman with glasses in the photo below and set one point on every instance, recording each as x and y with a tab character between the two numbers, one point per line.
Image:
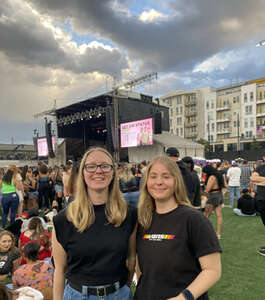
177	249
94	237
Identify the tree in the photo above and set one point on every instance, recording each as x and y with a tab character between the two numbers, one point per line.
206	145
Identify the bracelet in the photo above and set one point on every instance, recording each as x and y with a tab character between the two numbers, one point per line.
187	294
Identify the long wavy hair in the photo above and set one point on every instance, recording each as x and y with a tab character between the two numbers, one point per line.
147	205
8	176
209	170
81	211
13	245
38	231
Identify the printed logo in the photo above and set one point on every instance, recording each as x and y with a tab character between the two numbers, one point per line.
158	237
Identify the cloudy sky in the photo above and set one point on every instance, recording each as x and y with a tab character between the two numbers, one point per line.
71	50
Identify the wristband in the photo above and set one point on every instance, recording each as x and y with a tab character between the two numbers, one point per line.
187	294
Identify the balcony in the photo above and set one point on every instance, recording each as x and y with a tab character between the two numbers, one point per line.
190	113
224	119
260	101
190	134
190	102
223	130
190	124
223	107
260	114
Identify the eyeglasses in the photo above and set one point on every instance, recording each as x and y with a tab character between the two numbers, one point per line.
105	168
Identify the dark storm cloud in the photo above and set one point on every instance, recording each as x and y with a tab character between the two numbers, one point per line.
26	40
195	31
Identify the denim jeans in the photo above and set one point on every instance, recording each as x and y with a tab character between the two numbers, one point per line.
233	191
132	198
9	201
239	213
123	293
244	186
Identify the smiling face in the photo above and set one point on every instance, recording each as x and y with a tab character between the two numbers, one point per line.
161	183
5	243
98	180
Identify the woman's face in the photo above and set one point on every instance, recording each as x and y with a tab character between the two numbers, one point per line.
160	183
5	243
98	179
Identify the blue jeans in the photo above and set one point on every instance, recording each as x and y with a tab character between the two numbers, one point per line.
9	201
244	186
121	294
239	213
132	198
233	191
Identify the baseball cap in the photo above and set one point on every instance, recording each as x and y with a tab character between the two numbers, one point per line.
172	151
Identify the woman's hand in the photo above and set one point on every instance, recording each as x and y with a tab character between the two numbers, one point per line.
178	297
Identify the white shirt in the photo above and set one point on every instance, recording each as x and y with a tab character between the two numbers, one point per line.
233	175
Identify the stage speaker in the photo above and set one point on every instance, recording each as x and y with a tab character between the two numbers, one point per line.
158	123
49	139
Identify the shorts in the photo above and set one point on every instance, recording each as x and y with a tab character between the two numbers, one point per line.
34	195
215	199
58	188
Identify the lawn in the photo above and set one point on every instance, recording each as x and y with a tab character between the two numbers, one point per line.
243	269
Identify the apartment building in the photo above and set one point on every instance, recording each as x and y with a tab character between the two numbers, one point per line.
229	117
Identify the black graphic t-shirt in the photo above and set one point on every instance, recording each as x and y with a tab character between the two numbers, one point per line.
6	261
169	252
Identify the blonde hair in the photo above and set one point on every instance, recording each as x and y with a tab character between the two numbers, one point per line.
81	211
146	205
36	225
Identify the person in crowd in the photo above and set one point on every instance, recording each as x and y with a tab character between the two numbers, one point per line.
233	175
214	184
30	186
37	234
196	195
35	273
173	154
58	185
10	256
129	185
95	251
258	178
245	205
245	175
43	178
19	188
10	198
138	174
72	182
33	212
177	249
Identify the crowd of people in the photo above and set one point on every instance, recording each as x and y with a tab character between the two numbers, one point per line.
86	230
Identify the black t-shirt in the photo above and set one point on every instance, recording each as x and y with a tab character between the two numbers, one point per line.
6	261
247	205
98	255
169	252
260	195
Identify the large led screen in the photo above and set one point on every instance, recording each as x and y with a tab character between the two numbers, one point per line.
137	133
42	146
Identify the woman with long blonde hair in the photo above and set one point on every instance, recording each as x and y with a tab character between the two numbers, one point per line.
94	237
177	249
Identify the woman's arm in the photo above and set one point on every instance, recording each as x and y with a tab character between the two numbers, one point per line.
131	258
209	275
16	264
211	181
60	262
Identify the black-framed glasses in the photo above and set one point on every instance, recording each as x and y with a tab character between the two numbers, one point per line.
91	168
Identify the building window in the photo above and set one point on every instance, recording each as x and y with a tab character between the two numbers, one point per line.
232	147
207	105
212	105
246	124
171	112
177	131
248	109
177	110
251	122
245	98
179	121
169	101
181	131
181	110
179	100
251	96
212	126
235	123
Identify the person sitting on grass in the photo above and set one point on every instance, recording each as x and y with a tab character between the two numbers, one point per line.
245	205
35	273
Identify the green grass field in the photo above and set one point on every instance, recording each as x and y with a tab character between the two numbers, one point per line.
243	269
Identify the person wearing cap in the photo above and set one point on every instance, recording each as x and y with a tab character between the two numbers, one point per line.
233	175
258	178
173	154
196	195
